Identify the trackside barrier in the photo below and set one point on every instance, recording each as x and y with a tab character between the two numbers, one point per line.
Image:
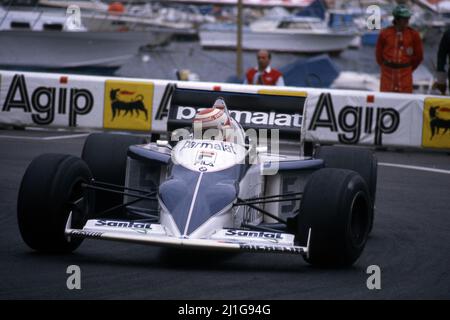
332	116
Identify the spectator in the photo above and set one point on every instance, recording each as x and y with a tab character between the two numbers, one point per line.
442	60
399	52
264	74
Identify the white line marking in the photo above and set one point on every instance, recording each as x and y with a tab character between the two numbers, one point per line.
72	136
191	209
20	137
403	166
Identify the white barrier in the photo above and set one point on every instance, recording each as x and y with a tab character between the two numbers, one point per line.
333	116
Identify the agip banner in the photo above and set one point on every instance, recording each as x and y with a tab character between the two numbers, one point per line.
50	100
355	117
128	105
436	123
332	116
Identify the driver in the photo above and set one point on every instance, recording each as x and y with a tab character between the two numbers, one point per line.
216	124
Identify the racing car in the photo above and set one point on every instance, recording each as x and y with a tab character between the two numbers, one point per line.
206	193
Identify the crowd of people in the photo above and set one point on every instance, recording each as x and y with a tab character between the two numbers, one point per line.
399	51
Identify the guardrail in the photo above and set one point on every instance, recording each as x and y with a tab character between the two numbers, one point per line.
332	116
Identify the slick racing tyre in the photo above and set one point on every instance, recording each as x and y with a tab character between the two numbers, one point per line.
336	206
363	161
49	186
106	156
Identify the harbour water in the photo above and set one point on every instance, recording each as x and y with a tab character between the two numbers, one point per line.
218	65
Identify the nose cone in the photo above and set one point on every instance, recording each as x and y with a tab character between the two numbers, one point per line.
192	198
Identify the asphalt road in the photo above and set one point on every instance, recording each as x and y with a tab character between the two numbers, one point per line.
410	243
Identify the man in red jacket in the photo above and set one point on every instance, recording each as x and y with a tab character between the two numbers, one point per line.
264	74
399	52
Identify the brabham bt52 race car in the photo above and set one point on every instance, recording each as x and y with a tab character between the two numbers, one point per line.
202	193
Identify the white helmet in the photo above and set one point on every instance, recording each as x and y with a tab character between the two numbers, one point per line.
211	118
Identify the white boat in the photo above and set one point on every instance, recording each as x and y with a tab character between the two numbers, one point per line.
254	3
288	34
99	16
127	22
95	5
50	40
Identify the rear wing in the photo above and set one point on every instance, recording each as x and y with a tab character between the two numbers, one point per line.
251	110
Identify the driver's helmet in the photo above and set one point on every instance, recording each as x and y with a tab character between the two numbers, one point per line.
211	119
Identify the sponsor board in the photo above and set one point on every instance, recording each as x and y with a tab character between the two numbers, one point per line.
248	119
336	116
436	123
162	97
47	99
128	105
356	119
253	111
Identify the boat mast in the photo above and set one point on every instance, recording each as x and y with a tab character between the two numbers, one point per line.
239	40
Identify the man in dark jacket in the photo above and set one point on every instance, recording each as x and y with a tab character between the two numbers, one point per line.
442	59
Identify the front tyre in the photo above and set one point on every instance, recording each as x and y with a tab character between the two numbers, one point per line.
361	160
337	207
106	157
50	184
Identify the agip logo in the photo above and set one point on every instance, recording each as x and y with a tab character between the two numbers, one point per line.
128	105
436	123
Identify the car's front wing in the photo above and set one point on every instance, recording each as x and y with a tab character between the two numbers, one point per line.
155	234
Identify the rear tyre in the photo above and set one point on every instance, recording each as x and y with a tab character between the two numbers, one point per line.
363	161
336	206
50	183
106	156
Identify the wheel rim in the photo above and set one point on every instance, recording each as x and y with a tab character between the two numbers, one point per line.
359	222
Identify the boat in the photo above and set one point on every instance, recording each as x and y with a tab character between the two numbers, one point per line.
99	16
95	5
285	34
250	3
45	40
306	30
126	22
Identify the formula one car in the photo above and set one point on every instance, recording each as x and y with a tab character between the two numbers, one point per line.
202	193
